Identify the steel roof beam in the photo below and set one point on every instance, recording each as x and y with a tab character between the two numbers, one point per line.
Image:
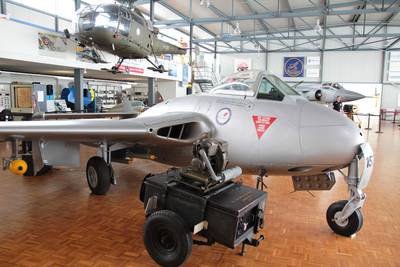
262	33
219	13
302	12
264	24
181	31
188	20
378	27
308	50
269	37
392	44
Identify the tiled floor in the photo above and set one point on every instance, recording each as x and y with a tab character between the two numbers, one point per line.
52	220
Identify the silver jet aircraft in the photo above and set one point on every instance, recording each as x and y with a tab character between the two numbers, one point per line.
270	129
327	92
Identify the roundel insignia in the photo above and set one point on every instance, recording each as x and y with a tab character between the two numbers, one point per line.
223	116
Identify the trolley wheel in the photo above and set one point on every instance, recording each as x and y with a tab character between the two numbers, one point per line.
98	175
350	226
167	238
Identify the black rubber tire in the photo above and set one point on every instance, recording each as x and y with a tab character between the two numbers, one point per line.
6	115
167	238
103	172
354	222
29	161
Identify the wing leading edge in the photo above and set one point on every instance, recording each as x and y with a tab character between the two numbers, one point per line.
164	129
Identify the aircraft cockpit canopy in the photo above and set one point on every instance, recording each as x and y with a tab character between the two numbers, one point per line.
333	85
240	83
247	83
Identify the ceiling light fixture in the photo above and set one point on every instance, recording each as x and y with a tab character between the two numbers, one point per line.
237	30
318	27
206	3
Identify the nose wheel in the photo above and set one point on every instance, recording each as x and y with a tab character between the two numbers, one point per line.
344	217
346	227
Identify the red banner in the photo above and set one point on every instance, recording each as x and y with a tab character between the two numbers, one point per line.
131	69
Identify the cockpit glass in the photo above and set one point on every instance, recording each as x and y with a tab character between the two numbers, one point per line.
273	88
241	83
332	85
281	85
106	16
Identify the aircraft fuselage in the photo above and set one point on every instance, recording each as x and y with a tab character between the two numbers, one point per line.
293	136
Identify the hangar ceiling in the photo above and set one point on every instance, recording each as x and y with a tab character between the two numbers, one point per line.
231	26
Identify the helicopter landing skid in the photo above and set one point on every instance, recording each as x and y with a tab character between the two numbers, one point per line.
159	68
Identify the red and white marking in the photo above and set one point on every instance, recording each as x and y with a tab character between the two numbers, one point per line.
262	123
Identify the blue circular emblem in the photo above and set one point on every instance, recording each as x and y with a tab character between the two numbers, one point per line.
294	67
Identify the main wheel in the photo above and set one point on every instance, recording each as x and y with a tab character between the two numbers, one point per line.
350	226
98	175
167	238
29	160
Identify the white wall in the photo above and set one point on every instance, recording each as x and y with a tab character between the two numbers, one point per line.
170	89
390	96
226	62
34	17
348	66
353	66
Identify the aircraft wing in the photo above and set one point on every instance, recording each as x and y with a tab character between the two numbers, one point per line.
167	129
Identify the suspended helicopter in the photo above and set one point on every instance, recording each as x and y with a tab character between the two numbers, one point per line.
121	30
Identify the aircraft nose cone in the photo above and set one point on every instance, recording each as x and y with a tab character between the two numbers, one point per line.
348	95
327	136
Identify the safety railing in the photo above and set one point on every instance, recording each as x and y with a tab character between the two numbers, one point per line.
205	73
394	112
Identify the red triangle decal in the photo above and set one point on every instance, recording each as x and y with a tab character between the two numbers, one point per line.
262	123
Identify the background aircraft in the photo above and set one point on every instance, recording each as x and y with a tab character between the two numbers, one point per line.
326	92
269	129
121	31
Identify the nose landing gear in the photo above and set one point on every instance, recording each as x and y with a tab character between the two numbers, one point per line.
345	217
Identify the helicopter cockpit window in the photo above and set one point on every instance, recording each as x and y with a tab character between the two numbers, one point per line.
269	91
85	18
125	21
107	16
139	19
